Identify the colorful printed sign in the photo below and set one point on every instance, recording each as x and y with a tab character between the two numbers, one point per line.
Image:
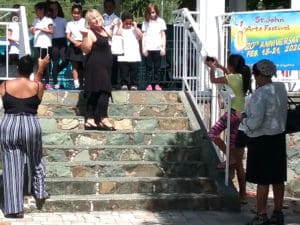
271	35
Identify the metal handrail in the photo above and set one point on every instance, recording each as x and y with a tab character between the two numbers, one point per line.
24	46
189	55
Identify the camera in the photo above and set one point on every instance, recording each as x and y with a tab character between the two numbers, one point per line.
209	58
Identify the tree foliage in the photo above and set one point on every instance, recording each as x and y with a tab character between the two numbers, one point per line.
268	4
137	8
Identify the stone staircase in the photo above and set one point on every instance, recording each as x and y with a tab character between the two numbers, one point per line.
157	159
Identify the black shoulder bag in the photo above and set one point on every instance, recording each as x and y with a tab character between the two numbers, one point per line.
293	117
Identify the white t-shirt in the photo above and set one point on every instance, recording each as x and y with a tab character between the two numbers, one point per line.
59	27
14	46
152	34
74	27
41	39
131	47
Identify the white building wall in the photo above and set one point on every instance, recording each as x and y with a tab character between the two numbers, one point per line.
209	9
295	4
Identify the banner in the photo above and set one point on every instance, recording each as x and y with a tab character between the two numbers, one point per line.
267	35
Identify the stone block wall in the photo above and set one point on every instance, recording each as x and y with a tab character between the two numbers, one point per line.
293	158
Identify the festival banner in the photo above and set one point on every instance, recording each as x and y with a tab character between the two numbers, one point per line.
267	35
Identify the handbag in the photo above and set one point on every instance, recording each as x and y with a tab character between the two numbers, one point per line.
117	46
293	117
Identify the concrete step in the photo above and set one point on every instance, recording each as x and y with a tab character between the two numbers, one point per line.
58	153
128	123
120	97
128	185
89	203
100	138
155	159
98	169
116	110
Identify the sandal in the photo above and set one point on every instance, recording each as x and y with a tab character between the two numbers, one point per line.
18	215
105	127
89	126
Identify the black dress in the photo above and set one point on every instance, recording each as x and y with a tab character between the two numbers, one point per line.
74	54
98	66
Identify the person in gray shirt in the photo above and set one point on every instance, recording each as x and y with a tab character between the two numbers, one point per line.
264	121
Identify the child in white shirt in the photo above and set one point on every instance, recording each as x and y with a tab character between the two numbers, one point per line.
13	37
74	53
129	62
59	41
153	45
42	29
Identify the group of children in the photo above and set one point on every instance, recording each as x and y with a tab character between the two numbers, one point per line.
153	46
53	35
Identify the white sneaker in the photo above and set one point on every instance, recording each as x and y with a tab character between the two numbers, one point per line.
124	87
157	87
149	87
76	84
133	88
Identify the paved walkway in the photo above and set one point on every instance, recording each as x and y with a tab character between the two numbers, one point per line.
291	211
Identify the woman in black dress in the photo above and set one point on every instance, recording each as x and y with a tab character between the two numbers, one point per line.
97	72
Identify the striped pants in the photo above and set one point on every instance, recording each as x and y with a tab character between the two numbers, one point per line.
221	125
21	142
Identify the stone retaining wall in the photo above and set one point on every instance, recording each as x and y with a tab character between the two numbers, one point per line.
293	157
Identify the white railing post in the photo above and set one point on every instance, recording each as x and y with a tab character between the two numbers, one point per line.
24	37
184	50
189	65
189	59
24	43
228	140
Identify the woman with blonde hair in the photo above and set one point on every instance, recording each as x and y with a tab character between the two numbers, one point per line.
95	45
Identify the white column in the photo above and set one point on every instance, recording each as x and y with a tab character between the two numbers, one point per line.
209	9
198	6
295	4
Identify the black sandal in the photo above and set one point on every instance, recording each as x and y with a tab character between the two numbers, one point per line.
18	215
88	126
105	127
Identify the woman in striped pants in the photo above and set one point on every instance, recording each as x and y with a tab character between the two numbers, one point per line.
20	138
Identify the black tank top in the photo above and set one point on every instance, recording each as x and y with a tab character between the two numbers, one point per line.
16	105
